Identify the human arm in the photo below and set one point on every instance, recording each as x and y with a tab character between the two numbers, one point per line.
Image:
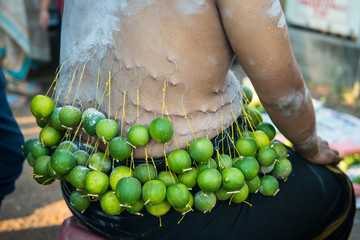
44	15
258	34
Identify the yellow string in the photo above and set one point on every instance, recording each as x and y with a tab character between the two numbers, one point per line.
109	91
232	141
97	87
55	81
102	98
58	97
188	121
77	89
222	133
137	106
176	142
163	100
248	203
123	114
66	98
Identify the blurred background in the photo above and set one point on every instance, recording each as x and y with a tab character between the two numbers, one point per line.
326	43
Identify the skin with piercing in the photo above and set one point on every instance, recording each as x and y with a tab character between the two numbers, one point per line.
139	60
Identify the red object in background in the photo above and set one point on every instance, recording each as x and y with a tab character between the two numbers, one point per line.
346	148
72	229
59	6
356	189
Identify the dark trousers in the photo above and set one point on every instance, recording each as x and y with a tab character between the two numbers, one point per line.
11	141
316	202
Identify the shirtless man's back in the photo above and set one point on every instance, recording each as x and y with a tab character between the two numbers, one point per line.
148	46
187	47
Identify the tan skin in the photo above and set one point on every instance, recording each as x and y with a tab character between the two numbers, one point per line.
192	54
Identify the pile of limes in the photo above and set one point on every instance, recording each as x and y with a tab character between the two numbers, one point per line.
196	177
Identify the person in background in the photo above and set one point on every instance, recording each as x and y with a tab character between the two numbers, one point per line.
24	46
11	141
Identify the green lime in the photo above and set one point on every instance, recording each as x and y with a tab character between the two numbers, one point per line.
70	116
178	195
110	204
232	179
40	167
28	145
267	128
179	160
222	194
223	161
128	190
42	122
55	121
279	148
91	120
261	138
188	206
119	173
167	178
30	159
43	180
282	168
201	149
88	110
38	149
247	94
254	184
145	172
81	157
266	156
49	136
100	162
161	130
204	201
269	186
154	192
265	170
51	172
107	129
136	207
253	118
188	178
158	209
76	177
246	133
241	195
96	182
235	159
62	161
119	148
68	145
249	166
41	106
209	180
138	135
246	146
78	201
210	163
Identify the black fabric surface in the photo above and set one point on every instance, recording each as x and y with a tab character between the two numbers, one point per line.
308	202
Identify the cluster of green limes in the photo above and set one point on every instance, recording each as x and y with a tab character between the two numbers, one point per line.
196	177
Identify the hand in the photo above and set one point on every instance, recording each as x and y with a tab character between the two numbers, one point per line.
324	155
44	18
